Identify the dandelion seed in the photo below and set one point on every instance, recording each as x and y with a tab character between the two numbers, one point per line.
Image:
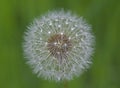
50	23
72	28
59	45
59	26
49	32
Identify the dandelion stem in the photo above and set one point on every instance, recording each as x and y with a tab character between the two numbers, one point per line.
65	84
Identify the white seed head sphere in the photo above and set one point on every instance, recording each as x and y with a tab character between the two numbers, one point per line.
59	45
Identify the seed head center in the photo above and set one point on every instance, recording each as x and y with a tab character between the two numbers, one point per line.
59	45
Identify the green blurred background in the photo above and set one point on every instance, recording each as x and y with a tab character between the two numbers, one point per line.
104	15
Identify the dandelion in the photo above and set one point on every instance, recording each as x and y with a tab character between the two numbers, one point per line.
59	45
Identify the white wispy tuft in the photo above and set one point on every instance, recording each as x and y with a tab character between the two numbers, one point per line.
58	46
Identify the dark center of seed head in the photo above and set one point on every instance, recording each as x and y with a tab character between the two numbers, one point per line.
59	45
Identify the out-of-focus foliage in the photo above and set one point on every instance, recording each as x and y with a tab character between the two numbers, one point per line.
103	15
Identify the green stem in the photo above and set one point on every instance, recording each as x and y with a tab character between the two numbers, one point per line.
65	84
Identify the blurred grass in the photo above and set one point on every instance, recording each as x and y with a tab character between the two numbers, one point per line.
104	15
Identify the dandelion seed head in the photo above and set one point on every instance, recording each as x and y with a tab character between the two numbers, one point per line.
58	46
